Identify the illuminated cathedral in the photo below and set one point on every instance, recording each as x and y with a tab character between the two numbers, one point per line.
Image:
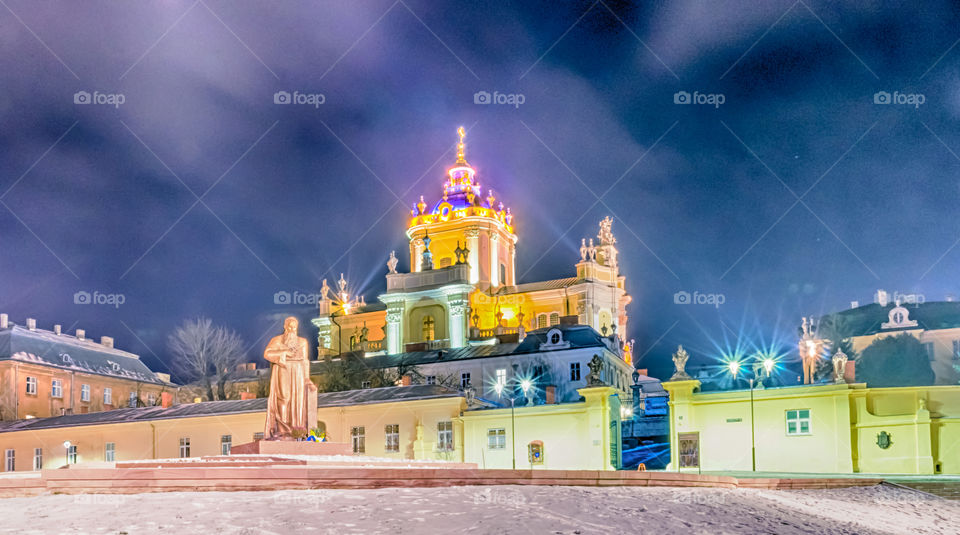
462	290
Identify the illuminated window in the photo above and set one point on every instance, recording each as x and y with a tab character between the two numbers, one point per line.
798	422
464	379
72	454
445	436
496	439
107	396
542	321
38	458
56	388
226	442
574	371
11	461
32	386
392	438
184	447
109	452
554	319
429	332
358	437
84	392
502	377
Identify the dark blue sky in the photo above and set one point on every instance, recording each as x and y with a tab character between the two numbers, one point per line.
795	196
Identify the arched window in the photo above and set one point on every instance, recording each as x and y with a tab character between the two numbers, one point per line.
429	331
353	343
554	319
542	321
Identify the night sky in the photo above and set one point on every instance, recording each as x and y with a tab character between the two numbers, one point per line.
198	195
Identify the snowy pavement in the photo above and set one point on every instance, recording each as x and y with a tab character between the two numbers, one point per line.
493	509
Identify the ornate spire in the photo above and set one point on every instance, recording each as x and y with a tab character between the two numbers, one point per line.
461	160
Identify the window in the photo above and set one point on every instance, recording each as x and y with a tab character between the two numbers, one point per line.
151	400
574	371
184	447
353	343
392	441
496	439
502	377
429	331
464	379
554	319
359	439
38	458
84	392
798	422
108	396
431	379
72	454
956	350
542	321
56	388
132	401
257	436
11	464
445	436
928	347
365	384
226	441
32	386
503	273
109	452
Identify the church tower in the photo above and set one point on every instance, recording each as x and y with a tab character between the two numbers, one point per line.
465	218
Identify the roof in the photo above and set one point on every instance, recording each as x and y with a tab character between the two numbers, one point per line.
868	319
554	284
216	408
578	336
71	353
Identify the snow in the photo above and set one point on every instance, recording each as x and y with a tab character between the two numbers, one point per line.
492	509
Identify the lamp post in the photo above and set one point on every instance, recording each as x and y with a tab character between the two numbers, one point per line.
525	384
66	446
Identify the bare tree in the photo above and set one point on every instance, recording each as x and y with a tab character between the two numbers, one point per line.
206	353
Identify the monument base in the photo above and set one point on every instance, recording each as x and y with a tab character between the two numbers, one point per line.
291	447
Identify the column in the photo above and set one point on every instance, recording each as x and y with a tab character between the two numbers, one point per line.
473	243
416	254
494	259
394	329
456	319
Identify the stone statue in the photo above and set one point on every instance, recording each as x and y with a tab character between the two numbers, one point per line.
583	249
839	366
426	264
606	234
593	251
392	262
461	253
809	348
324	291
679	365
595	365
293	397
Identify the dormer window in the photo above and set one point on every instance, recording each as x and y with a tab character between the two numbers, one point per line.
114	366
554	340
67	359
899	318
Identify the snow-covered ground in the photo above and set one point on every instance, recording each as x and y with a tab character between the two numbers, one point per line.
495	509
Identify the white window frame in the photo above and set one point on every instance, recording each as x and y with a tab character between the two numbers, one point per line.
226	443
110	452
575	371
501	375
56	388
497	438
431	379
391	439
37	459
542	321
365	384
464	379
358	439
31	386
108	396
10	460
151	399
133	399
445	435
84	392
72	454
184	447
798	420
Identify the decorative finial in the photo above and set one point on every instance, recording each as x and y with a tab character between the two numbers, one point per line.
460	155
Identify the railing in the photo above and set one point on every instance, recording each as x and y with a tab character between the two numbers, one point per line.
372	345
477	333
397	282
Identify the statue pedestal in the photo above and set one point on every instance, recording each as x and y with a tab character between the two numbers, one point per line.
291	447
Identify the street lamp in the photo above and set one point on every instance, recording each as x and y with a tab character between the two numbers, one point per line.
66	446
525	385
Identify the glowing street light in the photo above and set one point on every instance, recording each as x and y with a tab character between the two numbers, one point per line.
66	446
734	367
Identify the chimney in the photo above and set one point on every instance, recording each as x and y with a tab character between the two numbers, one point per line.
106	341
850	372
405	380
241	367
57	329
31	324
4	321
251	366
854	304
570	320
248	395
166	400
881	298
550	395
81	334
